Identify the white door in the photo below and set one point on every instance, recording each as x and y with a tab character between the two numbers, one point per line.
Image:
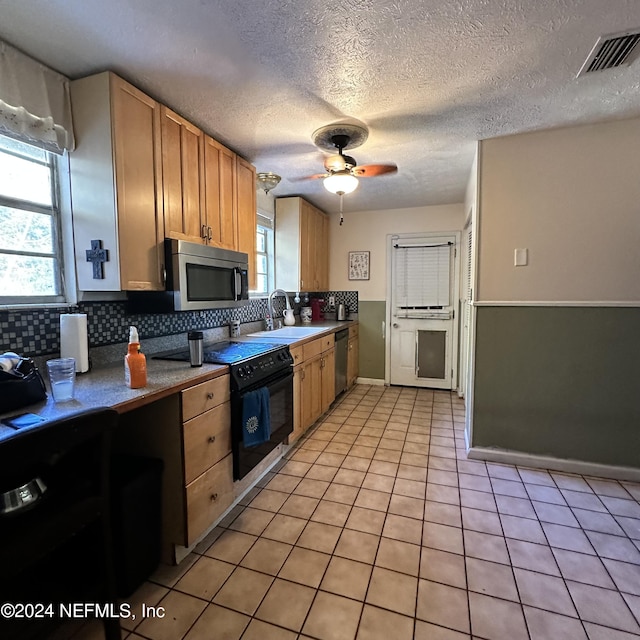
422	327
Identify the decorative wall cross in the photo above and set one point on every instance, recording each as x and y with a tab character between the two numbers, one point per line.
98	256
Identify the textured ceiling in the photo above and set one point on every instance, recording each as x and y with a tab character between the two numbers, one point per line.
428	77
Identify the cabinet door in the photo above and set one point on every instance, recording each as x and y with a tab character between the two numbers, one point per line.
328	378
322	252
307	247
311	392
219	194
298	428
182	153
138	171
246	207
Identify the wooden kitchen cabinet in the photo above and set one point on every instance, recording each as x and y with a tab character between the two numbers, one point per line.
208	461
247	214
116	185
352	356
302	246
182	178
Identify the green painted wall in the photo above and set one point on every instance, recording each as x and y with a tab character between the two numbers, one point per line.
559	381
371	315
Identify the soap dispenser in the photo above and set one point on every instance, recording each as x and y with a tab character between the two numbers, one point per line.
135	364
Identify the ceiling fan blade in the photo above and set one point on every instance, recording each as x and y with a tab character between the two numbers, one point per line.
315	176
372	170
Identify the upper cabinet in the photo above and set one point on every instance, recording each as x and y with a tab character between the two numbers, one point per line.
140	173
302	246
182	173
116	186
247	223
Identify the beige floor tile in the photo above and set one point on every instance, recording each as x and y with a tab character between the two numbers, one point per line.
568	538
398	556
320	472
405	506
536	557
484	521
306	455
603	607
510	506
402	528
443	513
409	488
355	463
377	623
341	493
477	500
409	472
387	455
284	528
366	520
286	604
331	459
625	575
259	630
229	625
442	493
282	482
522	529
370	499
357	545
338	447
392	590
319	537
305	566
377	482
428	631
443	605
216	532
393	441
231	546
311	488
266	556
349	477
361	451
180	610
268	500
299	506
252	521
204	578
581	567
148	594
442	537
583	500
384	468
610	488
614	547
244	590
485	547
544	592
544	625
296	468
333	617
168	575
496	619
444	567
491	579
334	513
347	578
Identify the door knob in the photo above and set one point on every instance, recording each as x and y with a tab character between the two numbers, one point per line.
395	325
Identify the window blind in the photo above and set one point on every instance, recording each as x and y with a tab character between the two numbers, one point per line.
422	277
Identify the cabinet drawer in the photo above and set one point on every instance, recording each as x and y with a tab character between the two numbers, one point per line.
208	496
312	349
353	330
329	341
296	354
207	439
205	396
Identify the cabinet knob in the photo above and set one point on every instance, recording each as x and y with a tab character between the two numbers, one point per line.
212	439
214	497
210	395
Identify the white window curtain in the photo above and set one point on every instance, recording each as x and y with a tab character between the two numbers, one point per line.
422	278
35	106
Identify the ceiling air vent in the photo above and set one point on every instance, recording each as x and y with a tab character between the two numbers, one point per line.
615	50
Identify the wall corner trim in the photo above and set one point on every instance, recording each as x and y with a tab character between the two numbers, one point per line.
520	459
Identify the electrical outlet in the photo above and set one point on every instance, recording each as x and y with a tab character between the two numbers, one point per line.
332	301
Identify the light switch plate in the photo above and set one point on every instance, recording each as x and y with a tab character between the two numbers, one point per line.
332	301
521	257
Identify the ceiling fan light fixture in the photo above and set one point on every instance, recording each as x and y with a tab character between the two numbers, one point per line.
340	182
267	181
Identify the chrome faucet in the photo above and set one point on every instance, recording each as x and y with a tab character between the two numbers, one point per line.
270	305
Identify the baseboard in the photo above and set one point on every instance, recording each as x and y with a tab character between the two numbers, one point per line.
379	382
554	464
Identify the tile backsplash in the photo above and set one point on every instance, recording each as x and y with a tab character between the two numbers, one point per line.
36	332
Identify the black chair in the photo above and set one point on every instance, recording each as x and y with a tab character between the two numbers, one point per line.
55	539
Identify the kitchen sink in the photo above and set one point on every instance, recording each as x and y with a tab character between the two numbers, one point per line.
288	332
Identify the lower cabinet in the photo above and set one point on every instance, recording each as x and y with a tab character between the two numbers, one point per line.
352	356
208	463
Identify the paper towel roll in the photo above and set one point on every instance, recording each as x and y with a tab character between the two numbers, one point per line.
74	342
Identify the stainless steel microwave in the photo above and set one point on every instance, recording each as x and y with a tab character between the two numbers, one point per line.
198	277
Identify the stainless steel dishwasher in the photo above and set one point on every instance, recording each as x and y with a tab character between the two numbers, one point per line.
342	342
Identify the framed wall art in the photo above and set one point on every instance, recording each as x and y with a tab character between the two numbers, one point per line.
358	265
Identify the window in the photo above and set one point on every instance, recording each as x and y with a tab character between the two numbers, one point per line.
264	256
30	246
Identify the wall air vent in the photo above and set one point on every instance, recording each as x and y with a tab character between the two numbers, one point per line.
614	50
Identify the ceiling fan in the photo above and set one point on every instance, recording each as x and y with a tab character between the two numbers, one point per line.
342	171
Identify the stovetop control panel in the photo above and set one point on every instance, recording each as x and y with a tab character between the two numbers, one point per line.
247	373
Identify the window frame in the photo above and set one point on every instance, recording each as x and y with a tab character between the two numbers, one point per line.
265	221
60	210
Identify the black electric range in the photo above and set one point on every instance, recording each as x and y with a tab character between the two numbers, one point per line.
249	363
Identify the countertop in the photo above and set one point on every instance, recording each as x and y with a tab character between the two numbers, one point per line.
104	386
